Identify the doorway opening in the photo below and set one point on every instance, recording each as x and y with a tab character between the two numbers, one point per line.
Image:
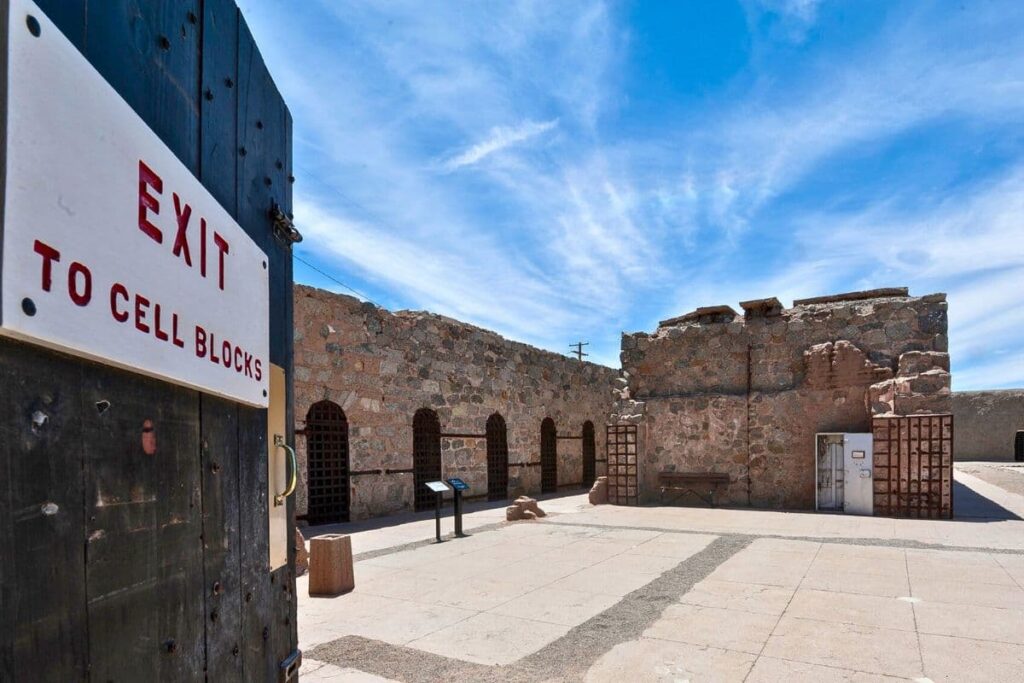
327	466
497	458
548	456
426	456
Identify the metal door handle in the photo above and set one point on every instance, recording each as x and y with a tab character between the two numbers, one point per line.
293	479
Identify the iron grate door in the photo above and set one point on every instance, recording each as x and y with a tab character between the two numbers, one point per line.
548	456
621	447
913	466
589	455
497	458
327	463
426	456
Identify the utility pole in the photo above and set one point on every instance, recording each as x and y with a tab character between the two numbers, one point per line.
577	349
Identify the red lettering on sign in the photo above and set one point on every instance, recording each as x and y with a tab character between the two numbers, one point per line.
248	364
202	247
225	353
238	359
141	306
49	255
177	341
259	369
181	239
200	342
157	332
80	296
222	247
118	290
213	350
147	202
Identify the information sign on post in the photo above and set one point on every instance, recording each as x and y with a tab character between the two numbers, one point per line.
111	248
459	486
438	487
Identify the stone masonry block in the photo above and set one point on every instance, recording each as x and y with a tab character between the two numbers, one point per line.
330	565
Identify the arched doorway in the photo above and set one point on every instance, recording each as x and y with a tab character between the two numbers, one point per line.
497	458
589	455
548	456
327	472
426	456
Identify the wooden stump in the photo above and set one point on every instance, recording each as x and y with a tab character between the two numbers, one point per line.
330	565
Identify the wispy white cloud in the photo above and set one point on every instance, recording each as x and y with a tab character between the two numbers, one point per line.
500	137
578	220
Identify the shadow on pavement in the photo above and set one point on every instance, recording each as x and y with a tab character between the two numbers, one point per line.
971	506
406	517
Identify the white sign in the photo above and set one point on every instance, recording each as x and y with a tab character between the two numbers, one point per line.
112	249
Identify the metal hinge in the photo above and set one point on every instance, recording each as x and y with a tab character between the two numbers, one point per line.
284	228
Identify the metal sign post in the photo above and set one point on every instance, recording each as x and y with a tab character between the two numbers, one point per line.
439	487
459	486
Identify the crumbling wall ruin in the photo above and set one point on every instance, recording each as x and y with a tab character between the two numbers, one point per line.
381	367
713	391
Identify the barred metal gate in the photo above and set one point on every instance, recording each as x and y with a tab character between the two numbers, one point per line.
589	455
497	458
621	447
548	456
426	456
913	466
327	463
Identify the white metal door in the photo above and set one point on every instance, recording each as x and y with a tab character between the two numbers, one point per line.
858	474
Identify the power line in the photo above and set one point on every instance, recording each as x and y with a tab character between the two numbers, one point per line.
333	279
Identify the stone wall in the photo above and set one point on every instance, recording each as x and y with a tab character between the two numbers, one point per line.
381	367
745	394
985	423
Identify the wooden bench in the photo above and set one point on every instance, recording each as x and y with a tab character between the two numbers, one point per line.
692	482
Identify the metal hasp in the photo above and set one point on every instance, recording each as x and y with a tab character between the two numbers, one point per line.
438	488
458	486
284	228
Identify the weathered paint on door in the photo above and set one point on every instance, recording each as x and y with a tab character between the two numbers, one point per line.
134	514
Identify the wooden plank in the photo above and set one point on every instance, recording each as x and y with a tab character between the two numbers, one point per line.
144	560
69	16
219	103
222	539
222	588
149	52
257	653
264	134
42	574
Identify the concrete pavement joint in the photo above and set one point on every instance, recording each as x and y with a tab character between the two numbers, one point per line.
568	658
908	544
412	545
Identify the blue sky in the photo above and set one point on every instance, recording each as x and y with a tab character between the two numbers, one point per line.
556	170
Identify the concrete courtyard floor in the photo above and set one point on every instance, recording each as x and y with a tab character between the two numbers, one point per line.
671	594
